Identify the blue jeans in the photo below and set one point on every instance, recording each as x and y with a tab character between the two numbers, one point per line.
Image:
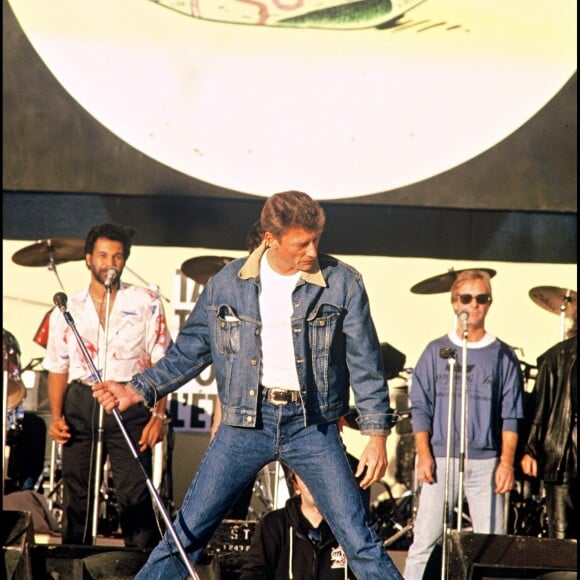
485	508
233	459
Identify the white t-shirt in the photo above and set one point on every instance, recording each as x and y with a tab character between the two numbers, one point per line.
278	358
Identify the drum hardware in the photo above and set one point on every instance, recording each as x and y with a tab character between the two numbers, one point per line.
443	282
202	268
50	253
561	301
152	287
393	519
13	385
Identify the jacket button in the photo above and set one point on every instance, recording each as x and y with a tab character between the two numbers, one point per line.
249	419
257	332
254	362
321	323
251	392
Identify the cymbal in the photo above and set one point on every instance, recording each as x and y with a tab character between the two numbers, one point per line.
202	268
555	299
53	251
443	282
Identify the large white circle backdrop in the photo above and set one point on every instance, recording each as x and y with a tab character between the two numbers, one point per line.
336	113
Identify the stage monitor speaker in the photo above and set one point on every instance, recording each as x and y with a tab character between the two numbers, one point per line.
17	533
71	562
484	556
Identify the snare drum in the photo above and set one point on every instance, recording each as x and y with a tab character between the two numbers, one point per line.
16	390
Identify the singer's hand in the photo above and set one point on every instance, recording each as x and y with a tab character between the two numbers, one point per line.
373	461
59	431
113	395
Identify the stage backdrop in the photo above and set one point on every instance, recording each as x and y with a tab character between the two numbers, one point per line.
437	129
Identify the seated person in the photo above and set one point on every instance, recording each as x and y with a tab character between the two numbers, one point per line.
295	542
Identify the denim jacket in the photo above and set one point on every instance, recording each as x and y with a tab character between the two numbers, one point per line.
335	345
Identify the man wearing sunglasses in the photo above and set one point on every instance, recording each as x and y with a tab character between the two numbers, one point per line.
494	405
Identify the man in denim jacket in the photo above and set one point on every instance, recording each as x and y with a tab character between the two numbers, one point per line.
288	331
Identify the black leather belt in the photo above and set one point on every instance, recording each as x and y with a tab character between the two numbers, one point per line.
281	397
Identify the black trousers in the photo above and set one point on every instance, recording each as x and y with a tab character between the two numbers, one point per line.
136	515
561	507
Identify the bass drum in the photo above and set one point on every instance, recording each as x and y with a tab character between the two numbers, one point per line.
12	383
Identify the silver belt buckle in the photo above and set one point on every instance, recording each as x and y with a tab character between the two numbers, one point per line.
277	397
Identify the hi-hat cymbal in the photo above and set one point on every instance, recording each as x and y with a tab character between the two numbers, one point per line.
443	282
555	299
202	268
54	251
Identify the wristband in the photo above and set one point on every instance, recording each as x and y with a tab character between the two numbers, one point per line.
158	415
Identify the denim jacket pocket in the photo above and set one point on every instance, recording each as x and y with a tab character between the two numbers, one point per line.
227	330
322	326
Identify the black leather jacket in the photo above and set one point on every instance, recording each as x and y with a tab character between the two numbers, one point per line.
549	440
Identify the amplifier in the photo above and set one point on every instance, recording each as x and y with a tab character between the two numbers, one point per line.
230	542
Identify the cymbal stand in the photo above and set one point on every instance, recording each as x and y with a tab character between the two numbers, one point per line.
565	301
152	490
52	265
449	354
145	283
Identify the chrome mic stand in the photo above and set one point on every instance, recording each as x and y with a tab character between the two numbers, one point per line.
449	354
60	300
99	446
462	431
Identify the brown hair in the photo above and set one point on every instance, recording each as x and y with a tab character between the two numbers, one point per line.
291	208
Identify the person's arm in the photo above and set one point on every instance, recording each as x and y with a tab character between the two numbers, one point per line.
154	430
504	473
112	395
217	417
57	385
425	463
373	459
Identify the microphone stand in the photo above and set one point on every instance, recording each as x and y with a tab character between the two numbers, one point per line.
449	354
462	432
100	429
156	497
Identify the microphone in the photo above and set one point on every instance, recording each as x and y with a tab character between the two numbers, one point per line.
60	299
464	315
112	274
447	352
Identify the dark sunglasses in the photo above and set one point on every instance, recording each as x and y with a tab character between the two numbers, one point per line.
480	298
